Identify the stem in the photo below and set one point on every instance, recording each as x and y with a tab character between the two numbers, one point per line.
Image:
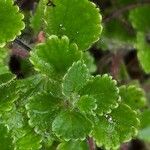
91	143
122	10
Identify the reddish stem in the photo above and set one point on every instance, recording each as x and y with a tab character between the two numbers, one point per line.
91	143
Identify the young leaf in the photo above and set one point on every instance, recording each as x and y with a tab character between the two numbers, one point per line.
138	21
103	89
143	48
133	96
11	21
87	104
75	78
54	57
71	125
112	129
42	109
79	20
5	138
73	145
8	94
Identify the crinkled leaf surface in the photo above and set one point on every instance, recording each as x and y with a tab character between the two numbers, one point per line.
104	90
133	96
143	48
5	138
73	145
54	57
75	78
71	125
8	94
23	135
87	104
138	21
78	19
112	129
10	21
42	109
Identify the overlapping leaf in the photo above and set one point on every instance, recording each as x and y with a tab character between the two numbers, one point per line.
42	109
11	22
133	96
5	139
115	128
75	79
79	20
71	125
54	57
73	145
8	94
103	89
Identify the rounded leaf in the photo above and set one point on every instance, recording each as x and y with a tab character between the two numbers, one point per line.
80	20
104	90
42	109
71	125
133	96
112	129
54	57
11	22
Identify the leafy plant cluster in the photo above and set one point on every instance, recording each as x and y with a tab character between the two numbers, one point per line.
60	104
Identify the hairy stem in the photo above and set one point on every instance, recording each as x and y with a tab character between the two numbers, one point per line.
91	143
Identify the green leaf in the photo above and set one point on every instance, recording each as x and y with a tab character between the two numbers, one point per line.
133	96
112	129
42	109
144	132
71	125
38	17
54	57
8	94
116	36
89	61
65	18
138	21
23	136
73	145
143	49
5	139
87	104
29	140
11	21
103	89
75	78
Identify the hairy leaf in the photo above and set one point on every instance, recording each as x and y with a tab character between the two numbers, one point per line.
10	21
78	19
87	104
112	129
75	78
42	109
54	57
133	96
104	90
71	125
